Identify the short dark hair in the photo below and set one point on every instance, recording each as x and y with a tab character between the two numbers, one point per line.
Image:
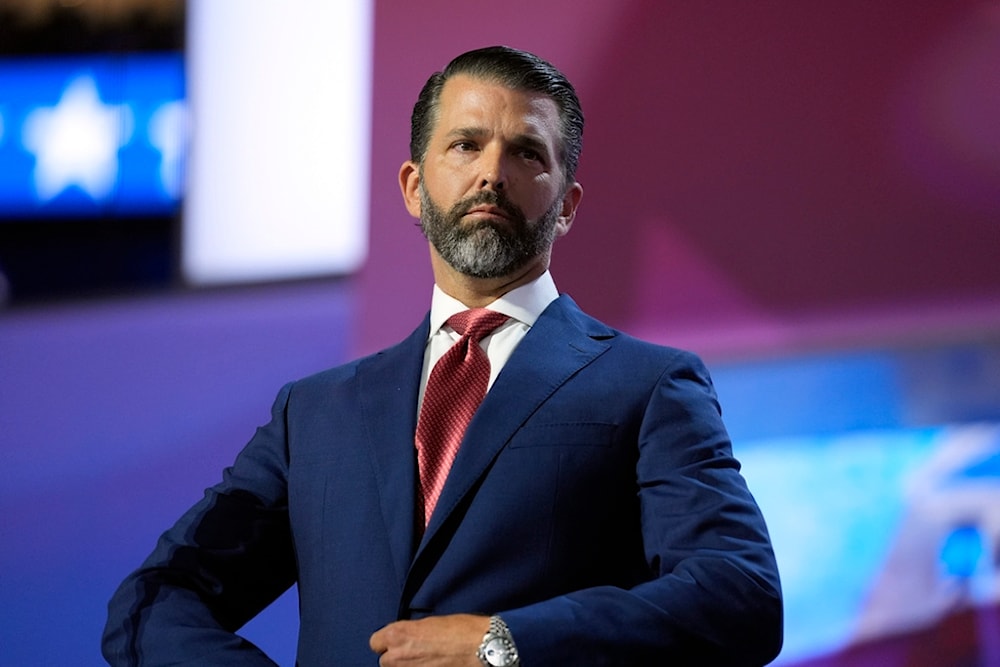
510	67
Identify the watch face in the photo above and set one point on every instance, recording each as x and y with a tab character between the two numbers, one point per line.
498	652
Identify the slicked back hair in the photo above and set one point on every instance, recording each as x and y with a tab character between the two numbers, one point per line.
515	69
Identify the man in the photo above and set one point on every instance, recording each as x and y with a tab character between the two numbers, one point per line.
593	513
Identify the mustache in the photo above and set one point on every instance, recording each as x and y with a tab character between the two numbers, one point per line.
490	198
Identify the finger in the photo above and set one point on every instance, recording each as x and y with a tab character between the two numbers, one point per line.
377	642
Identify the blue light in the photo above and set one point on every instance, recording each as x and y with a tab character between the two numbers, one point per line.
93	135
961	552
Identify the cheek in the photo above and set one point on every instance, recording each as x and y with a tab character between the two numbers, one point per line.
446	186
541	201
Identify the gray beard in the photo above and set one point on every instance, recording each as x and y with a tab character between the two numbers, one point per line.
486	250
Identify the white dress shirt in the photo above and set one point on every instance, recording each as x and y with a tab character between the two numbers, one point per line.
523	305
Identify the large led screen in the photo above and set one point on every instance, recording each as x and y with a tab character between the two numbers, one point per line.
279	174
91	135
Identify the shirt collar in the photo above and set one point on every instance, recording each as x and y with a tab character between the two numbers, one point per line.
523	304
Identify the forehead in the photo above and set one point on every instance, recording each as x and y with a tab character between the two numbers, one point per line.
472	102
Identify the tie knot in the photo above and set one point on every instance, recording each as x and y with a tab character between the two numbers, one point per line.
476	322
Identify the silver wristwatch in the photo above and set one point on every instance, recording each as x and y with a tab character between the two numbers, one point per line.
497	649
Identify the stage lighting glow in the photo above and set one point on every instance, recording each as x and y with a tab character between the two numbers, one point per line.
75	136
278	170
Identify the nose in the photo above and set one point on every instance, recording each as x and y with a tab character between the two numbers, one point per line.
494	171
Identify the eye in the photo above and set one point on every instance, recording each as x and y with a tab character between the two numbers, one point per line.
530	152
464	146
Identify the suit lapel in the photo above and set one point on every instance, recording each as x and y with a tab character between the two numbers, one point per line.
388	385
561	342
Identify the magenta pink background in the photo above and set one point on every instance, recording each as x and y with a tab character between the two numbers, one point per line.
758	176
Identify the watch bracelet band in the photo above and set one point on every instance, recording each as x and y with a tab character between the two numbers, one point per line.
498	629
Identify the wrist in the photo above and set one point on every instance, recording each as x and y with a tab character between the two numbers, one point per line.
497	648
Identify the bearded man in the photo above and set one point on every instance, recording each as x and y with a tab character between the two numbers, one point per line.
515	483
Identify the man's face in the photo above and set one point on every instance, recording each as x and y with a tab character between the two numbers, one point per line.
491	193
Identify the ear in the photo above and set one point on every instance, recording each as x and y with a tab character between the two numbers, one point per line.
570	202
409	185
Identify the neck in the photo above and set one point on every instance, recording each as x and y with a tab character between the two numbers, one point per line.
478	292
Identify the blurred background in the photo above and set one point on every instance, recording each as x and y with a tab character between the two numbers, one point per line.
198	203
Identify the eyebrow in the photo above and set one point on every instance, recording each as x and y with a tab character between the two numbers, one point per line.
467	132
522	140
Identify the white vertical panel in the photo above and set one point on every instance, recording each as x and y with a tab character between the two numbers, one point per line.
280	95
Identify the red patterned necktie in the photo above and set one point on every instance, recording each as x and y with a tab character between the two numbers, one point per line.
455	388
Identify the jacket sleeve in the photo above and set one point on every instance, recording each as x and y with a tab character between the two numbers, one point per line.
713	596
226	559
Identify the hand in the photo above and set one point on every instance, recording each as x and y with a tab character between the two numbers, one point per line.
435	641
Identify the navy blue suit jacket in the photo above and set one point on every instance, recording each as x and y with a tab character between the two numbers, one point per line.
595	504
